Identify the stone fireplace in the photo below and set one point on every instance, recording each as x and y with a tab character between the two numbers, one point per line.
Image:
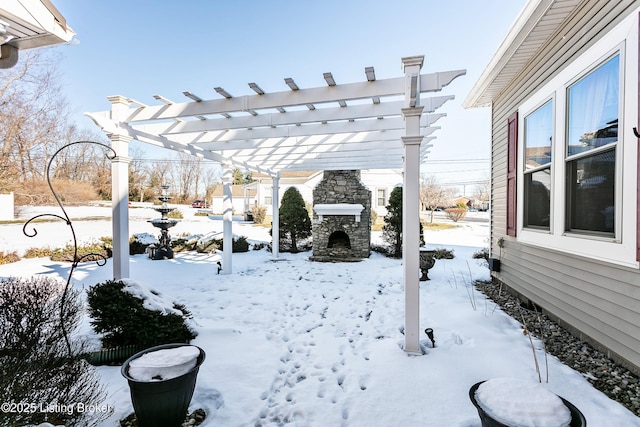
341	217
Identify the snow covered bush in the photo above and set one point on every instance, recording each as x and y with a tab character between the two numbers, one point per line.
43	376
127	312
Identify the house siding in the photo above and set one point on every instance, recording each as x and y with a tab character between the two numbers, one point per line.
598	300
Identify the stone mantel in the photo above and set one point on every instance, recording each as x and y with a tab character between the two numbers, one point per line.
338	209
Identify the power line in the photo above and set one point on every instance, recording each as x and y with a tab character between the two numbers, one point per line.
456	161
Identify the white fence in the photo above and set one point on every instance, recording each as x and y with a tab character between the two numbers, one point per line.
6	207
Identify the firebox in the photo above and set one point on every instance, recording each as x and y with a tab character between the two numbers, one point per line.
341	217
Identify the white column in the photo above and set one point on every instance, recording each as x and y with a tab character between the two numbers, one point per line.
411	204
227	219
275	218
120	191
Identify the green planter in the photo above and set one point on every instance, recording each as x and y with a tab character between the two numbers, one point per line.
577	419
162	403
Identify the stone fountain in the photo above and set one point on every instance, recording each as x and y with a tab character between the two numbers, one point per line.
163	249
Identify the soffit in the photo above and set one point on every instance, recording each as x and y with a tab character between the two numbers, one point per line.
33	23
533	28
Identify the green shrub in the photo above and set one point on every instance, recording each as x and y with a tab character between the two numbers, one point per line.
295	223
136	247
240	244
209	246
182	244
122	319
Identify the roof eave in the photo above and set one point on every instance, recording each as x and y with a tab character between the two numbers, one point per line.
479	96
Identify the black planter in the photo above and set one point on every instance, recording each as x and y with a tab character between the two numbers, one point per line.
162	403
577	419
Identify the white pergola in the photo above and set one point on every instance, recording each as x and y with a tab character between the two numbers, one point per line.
373	124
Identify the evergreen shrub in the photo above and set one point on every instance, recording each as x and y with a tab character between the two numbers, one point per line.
123	320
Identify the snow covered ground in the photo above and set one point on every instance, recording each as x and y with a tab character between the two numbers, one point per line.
303	343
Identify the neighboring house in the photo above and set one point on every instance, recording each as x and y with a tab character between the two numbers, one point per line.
237	199
563	89
462	201
380	182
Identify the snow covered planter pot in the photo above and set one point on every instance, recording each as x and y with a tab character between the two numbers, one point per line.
161	381
509	402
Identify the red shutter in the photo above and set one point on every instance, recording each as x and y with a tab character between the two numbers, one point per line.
512	166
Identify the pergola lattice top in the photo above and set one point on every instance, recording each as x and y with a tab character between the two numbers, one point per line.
337	126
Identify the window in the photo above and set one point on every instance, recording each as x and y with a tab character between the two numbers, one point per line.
268	198
592	134
382	197
538	138
590	170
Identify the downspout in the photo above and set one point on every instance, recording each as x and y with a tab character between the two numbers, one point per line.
8	56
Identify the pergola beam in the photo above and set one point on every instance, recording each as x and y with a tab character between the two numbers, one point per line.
392	87
236	132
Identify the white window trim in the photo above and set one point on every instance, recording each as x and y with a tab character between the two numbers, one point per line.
521	166
620	250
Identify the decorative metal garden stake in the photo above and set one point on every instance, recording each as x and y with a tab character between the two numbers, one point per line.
99	258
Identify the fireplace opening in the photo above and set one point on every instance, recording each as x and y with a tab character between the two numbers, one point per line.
339	239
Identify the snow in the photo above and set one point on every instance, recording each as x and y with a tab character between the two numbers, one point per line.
151	299
307	343
521	403
164	364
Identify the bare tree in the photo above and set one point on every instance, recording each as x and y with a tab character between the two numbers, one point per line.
184	174
138	177
35	124
32	114
158	173
482	192
432	194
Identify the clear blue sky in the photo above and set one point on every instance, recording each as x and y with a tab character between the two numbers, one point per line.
138	48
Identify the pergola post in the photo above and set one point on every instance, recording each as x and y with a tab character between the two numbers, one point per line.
275	218
411	203
227	219
120	191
